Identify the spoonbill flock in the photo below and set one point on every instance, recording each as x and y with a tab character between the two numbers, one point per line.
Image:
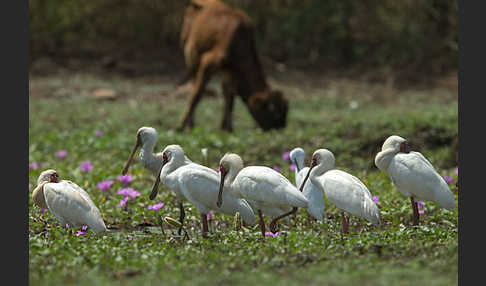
245	192
198	184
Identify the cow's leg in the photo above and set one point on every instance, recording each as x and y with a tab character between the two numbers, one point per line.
209	63
229	96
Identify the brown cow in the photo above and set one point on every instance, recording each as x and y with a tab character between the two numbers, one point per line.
215	38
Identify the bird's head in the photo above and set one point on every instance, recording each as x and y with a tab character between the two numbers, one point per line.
49	176
144	135
229	162
396	143
323	157
170	153
297	156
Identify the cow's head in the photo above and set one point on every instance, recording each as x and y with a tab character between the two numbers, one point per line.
269	109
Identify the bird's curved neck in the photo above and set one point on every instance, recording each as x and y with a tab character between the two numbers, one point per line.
299	163
148	158
38	196
172	165
319	170
383	159
231	175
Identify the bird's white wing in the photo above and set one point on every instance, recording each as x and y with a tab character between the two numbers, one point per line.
356	181
80	190
343	190
419	156
71	204
204	169
413	175
264	184
200	186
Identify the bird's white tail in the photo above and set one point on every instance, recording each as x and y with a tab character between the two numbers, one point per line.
445	199
246	212
99	226
370	211
297	199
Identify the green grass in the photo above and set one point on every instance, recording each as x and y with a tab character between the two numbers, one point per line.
64	117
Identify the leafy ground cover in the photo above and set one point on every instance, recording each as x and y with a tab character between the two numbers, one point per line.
87	140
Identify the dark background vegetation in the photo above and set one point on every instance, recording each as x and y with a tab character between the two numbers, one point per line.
413	40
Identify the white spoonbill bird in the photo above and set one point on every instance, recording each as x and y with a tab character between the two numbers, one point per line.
199	185
146	138
413	175
313	194
263	186
343	190
68	202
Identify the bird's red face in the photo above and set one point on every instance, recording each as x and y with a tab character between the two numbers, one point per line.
54	178
314	161
404	147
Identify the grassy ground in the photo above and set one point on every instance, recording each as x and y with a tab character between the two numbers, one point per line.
349	117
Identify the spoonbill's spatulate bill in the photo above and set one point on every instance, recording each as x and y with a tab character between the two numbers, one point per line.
343	190
263	186
413	175
313	194
199	185
68	202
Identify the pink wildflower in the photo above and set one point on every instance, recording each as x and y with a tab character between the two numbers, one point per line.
210	214
125	179
133	194
156	207
272	234
86	166
61	154
123	202
449	179
286	156
105	185
128	192
79	232
421	205
34	166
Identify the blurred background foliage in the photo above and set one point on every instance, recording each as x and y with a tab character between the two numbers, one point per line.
408	37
